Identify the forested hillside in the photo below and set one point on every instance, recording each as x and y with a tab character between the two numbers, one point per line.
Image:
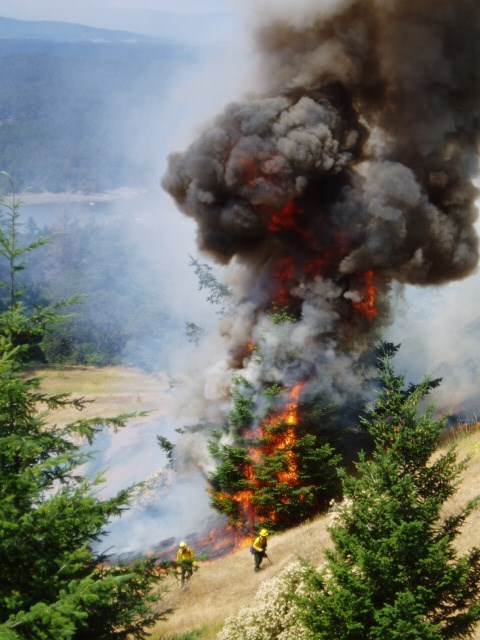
76	104
118	317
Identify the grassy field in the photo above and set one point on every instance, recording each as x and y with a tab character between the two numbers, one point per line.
113	390
222	587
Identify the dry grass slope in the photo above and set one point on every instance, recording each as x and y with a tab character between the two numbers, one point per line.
221	588
113	390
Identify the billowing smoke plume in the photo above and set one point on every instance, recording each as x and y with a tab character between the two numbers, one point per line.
350	169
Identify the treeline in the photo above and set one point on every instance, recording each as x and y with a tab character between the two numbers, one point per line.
74	116
116	314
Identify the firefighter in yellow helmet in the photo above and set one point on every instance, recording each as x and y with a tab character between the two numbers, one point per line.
259	548
185	560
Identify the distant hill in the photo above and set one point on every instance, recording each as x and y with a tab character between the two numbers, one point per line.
78	105
11	29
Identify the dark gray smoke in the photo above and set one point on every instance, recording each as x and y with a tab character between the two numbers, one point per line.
350	169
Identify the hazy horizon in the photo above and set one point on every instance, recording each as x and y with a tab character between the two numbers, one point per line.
186	21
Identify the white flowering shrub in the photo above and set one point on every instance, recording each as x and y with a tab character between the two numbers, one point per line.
336	510
276	616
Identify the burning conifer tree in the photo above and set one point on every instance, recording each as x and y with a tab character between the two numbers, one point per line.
278	473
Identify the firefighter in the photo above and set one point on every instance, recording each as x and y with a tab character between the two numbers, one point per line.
185	561
260	549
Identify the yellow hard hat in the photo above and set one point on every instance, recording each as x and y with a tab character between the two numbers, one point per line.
264	533
183	545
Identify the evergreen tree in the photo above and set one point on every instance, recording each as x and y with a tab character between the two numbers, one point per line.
394	571
219	293
278	475
53	584
15	320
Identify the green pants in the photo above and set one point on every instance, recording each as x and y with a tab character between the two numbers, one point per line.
186	569
258	556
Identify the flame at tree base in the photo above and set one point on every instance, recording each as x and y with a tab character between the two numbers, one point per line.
280	477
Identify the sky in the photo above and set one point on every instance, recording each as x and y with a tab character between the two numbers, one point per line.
162	18
94	12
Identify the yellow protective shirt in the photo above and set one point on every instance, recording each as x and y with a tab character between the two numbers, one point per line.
260	543
185	554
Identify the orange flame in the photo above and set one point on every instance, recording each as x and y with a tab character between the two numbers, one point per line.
291	270
250	171
275	439
250	347
222	541
367	305
284	219
287	439
285	277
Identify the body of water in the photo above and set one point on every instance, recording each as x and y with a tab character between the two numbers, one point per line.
58	209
